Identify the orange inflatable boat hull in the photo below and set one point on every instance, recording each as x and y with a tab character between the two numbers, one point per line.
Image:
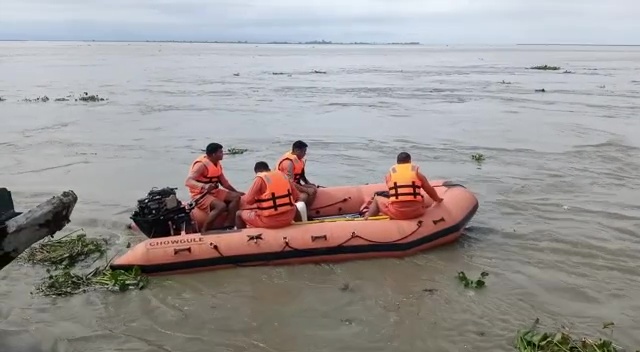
316	241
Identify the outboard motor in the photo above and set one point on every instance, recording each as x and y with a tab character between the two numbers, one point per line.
162	214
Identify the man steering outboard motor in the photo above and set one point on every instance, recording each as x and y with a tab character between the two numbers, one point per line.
162	214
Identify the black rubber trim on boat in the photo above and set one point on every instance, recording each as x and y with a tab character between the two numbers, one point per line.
275	256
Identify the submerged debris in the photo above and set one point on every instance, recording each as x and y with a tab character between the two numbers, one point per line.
532	340
67	283
545	68
66	251
42	99
468	283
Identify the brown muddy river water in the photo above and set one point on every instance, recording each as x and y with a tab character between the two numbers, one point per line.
559	192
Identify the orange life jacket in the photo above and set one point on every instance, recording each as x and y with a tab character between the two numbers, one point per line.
212	175
298	166
403	183
277	198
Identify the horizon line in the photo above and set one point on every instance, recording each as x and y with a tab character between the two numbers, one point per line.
311	42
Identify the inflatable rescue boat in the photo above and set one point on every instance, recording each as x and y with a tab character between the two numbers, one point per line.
336	232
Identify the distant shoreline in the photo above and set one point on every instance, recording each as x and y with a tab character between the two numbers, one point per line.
576	44
313	42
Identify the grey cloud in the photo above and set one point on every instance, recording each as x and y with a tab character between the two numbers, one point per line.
436	21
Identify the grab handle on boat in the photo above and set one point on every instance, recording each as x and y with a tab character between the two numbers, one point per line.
436	221
182	249
318	237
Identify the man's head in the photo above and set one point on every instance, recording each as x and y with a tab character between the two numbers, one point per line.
261	166
403	158
214	151
299	149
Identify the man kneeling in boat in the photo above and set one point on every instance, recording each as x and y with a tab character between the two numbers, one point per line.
205	177
274	196
292	164
404	182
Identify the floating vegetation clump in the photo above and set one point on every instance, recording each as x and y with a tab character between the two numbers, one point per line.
42	99
533	340
236	151
67	283
2	99
478	158
545	68
468	283
66	251
86	97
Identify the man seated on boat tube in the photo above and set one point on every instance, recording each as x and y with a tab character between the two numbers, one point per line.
273	196
293	165
205	177
404	181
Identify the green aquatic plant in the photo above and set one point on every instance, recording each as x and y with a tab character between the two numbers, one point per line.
86	97
478	158
545	68
533	340
66	283
236	151
66	251
42	99
468	283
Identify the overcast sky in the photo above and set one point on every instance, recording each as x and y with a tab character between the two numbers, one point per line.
427	21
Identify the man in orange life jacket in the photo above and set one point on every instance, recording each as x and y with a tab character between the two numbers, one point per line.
292	164
274	197
404	182
206	176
